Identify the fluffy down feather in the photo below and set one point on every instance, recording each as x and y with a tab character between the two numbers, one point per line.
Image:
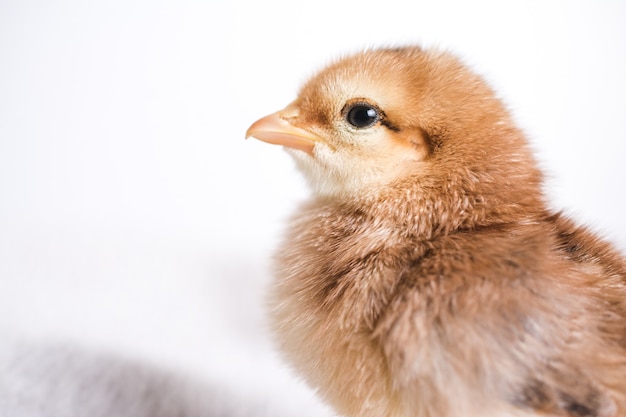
426	276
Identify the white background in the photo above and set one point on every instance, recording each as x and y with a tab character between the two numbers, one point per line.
134	218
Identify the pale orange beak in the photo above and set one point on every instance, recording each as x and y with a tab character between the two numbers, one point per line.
275	129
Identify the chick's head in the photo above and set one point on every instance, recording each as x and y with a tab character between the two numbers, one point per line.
401	115
343	129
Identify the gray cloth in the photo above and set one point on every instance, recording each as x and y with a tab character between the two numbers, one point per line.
59	381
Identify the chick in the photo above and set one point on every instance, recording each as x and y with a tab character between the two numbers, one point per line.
427	276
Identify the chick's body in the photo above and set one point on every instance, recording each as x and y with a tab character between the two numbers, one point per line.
427	277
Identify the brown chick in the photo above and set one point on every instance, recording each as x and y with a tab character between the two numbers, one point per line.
427	277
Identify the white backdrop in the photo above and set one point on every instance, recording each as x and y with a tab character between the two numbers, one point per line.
135	219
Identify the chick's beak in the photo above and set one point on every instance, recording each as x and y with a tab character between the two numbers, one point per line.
276	129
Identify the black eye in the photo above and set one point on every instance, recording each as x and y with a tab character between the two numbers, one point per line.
362	115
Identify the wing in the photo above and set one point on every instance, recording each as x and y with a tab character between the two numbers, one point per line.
508	317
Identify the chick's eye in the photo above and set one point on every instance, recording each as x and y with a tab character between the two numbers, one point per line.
362	115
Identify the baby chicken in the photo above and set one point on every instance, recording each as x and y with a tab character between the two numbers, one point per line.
427	277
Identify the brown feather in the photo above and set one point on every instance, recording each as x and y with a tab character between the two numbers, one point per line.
427	277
